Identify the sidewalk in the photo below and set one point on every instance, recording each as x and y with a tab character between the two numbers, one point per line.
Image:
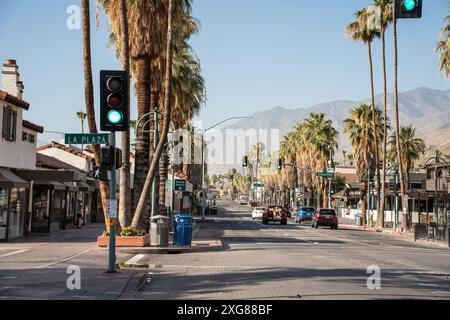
39	270
346	223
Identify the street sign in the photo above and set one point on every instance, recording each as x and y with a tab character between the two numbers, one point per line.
86	138
111	208
180	185
324	174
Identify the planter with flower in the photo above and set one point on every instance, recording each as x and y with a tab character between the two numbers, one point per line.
129	237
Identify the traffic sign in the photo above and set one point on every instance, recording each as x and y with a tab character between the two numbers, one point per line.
324	174
180	185
111	208
86	138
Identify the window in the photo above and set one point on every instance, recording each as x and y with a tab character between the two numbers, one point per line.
24	136
31	138
9	127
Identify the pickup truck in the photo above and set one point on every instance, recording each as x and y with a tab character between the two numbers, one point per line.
274	214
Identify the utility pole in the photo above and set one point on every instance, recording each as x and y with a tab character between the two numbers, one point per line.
330	169
113	201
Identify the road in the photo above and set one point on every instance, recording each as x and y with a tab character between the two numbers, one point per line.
297	262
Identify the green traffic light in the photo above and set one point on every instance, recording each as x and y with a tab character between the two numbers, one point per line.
410	4
115	117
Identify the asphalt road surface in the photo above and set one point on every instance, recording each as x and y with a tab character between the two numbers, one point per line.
298	262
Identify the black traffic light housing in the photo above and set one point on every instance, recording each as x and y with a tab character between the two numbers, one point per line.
245	161
110	156
280	164
114	97
408	9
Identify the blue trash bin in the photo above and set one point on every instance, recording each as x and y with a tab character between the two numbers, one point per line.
182	230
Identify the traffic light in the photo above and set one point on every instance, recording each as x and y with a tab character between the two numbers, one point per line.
110	157
245	161
408	9
280	165
114	115
107	158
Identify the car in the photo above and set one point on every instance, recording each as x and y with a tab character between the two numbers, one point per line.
275	214
325	217
243	200
304	214
258	213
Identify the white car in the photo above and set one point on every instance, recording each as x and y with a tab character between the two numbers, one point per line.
258	213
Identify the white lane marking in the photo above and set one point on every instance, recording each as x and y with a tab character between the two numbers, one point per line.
62	260
14	253
433	285
135	259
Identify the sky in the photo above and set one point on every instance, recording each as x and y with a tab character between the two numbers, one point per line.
255	55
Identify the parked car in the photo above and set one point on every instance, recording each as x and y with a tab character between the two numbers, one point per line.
274	214
304	214
258	213
325	217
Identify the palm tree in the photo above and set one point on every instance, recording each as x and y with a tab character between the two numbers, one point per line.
146	26
363	139
397	127
443	48
89	94
125	179
411	148
364	30
137	219
385	8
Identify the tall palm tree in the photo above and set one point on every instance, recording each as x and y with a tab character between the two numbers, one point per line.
363	139
363	30
89	94
137	219
125	171
397	128
411	149
443	48
385	8
146	26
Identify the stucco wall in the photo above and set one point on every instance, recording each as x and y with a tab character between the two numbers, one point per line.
17	154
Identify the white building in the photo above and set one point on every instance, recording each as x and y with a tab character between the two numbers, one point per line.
17	151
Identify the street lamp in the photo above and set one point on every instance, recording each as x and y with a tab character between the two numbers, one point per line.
203	158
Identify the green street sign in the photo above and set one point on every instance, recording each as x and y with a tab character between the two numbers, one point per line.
325	174
86	138
180	185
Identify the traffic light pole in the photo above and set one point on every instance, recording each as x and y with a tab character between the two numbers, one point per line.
155	145
112	196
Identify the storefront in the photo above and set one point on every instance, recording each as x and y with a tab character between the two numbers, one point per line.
13	205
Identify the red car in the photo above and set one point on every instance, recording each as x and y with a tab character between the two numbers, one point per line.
276	214
325	217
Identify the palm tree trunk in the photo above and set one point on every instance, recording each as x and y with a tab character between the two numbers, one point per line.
125	183
167	114
89	96
375	128
381	215
397	131
142	147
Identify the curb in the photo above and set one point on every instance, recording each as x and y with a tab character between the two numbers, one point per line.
379	230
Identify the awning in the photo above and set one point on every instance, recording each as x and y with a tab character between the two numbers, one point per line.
10	180
83	186
53	185
70	186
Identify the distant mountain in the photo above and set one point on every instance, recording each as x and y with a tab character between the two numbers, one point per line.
427	109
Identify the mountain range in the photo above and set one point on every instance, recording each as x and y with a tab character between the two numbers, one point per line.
426	109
